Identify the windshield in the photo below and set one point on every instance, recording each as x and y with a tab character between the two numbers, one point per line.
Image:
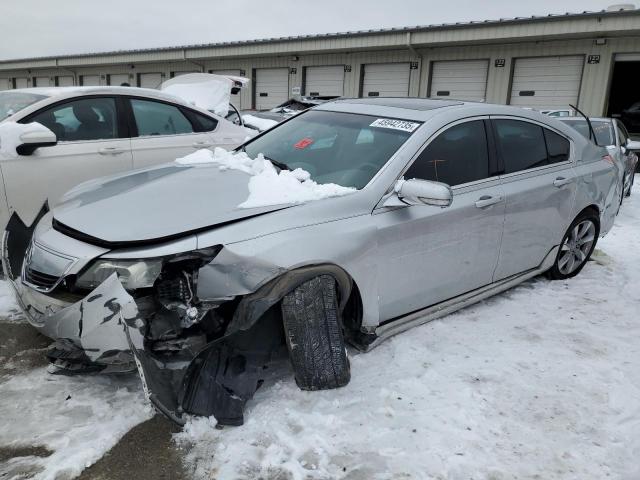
343	148
13	102
603	130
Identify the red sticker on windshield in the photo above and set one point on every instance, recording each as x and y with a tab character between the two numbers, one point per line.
304	143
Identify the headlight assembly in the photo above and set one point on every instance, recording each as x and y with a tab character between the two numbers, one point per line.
133	274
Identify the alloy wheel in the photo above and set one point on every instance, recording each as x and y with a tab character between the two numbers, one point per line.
576	247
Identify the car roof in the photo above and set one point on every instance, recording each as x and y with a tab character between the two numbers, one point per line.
102	90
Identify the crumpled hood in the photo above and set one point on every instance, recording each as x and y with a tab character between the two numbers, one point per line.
155	204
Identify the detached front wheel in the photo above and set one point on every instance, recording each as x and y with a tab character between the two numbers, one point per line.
313	332
577	246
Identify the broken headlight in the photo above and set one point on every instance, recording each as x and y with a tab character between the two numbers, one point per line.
133	274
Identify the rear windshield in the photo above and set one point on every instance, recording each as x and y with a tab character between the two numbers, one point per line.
603	130
13	102
343	148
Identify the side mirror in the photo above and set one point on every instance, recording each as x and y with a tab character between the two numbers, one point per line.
36	137
423	192
633	145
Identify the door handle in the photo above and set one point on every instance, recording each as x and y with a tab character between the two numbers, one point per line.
202	145
487	200
561	181
111	151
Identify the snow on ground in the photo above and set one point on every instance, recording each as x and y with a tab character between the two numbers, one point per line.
77	419
539	382
268	185
261	124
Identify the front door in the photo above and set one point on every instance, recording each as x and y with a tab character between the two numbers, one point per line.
539	185
430	254
89	146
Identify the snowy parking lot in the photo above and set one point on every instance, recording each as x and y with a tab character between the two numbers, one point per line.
541	382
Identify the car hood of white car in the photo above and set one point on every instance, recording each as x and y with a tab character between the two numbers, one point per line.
155	204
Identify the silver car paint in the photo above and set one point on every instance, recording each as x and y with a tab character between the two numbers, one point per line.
362	242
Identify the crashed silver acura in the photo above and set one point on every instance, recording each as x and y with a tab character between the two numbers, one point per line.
168	268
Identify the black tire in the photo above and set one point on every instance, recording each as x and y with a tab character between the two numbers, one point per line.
628	194
313	332
558	271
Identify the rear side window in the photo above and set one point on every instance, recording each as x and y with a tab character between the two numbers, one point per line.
557	146
521	145
456	156
156	118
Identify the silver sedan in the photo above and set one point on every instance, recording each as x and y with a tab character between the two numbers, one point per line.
431	206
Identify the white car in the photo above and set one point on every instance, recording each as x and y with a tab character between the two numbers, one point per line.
92	132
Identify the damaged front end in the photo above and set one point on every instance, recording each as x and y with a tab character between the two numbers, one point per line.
113	316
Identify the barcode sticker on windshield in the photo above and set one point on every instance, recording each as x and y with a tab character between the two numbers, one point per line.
395	124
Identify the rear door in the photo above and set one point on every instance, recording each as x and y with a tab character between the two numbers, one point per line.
162	132
91	143
430	254
539	184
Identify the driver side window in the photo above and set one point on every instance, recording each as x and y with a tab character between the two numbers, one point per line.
456	156
85	119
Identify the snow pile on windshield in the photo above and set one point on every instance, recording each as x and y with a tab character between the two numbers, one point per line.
10	133
268	185
261	124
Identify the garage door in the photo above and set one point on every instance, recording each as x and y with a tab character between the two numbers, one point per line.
149	80
90	80
547	81
235	99
461	80
324	81
21	82
41	82
5	83
272	87
64	81
118	79
386	80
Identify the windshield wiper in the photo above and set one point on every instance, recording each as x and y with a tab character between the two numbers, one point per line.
280	165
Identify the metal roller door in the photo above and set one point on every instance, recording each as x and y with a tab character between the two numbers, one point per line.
235	99
460	80
21	82
149	80
546	81
65	81
90	80
272	87
324	81
5	83
41	82
118	79
386	80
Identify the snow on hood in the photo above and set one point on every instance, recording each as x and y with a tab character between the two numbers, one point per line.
207	91
267	185
261	124
10	133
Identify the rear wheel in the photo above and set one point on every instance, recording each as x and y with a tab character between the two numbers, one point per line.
577	246
313	332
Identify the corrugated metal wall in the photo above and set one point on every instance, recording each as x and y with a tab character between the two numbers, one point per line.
420	49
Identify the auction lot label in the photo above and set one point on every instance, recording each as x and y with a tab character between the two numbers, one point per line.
395	124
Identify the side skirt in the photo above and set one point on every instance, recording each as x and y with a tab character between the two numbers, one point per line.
383	332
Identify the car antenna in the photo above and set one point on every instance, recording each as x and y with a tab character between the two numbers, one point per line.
592	133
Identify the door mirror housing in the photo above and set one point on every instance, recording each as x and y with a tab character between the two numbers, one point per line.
38	136
633	145
423	192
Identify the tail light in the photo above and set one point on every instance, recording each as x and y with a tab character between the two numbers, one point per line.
608	159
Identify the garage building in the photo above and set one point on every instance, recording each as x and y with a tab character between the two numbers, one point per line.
588	59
